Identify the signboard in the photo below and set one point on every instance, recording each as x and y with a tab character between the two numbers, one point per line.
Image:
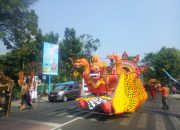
50	59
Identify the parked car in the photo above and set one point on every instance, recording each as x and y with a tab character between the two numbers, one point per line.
65	91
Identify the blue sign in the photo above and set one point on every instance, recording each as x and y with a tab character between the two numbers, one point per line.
50	59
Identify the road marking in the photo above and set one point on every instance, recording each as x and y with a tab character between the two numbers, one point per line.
65	113
55	112
61	114
43	111
159	123
93	119
37	122
68	112
51	113
86	115
76	114
142	121
175	122
127	120
66	123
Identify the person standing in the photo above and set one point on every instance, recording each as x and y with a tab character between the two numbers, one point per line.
174	89
165	93
152	91
7	103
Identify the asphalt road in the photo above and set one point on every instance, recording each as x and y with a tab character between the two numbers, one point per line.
67	116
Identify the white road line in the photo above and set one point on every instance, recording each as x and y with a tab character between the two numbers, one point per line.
51	113
64	113
142	121
66	123
61	114
85	115
43	108
93	119
159	123
44	111
54	112
175	122
76	114
37	122
127	120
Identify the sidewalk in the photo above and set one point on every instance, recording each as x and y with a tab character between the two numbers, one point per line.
175	96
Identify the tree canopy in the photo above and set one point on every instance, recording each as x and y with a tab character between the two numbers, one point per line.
73	47
18	24
166	58
90	45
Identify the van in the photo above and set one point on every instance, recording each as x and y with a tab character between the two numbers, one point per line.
65	91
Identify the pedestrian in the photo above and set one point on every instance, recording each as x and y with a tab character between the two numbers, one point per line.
174	89
152	92
25	98
7	103
165	93
28	99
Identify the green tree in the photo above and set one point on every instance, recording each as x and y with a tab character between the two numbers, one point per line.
28	56
149	61
73	47
166	58
90	45
10	64
18	23
70	49
18	27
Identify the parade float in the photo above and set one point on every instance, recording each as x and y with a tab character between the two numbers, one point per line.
6	86
116	88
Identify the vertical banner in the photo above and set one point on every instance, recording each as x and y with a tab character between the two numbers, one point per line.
50	59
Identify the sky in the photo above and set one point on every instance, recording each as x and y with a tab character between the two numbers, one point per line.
134	26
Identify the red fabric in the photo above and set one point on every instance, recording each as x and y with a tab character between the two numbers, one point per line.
106	106
83	104
99	90
137	72
153	91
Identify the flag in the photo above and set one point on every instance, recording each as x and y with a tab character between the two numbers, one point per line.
152	68
171	77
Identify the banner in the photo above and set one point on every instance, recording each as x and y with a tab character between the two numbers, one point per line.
50	59
171	77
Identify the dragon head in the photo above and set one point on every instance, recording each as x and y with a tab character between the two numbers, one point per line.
96	68
95	71
80	62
